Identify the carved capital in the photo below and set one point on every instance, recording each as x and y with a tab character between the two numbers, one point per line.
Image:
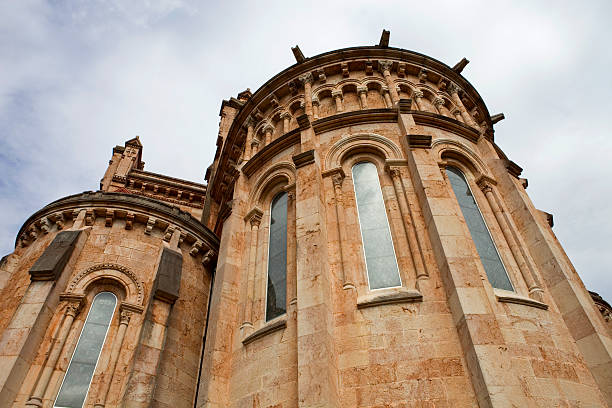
384	89
208	257
337	179
254	217
385	65
438	101
306	78
74	303
315	100
485	183
362	89
417	94
268	128
452	88
285	114
336	93
125	317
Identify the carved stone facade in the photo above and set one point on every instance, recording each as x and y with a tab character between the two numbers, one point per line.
445	335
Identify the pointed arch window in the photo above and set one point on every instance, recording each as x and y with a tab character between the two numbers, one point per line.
381	263
276	296
491	261
80	372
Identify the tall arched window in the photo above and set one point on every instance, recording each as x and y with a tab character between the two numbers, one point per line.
381	264
276	298
78	377
487	251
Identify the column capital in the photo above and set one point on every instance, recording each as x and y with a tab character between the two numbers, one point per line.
249	121
254	217
337	179
125	317
306	78
285	114
315	100
267	127
384	89
362	89
485	183
417	94
336	93
453	88
74	303
438	101
385	65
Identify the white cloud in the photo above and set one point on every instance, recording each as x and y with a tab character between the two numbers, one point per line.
79	77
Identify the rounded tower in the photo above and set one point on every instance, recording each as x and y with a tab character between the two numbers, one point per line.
379	249
105	291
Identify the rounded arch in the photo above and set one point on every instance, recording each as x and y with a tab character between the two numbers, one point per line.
373	84
277	174
323	91
342	84
361	142
453	151
123	276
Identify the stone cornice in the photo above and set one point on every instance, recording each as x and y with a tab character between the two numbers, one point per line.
433	66
170	181
354	117
99	201
278	145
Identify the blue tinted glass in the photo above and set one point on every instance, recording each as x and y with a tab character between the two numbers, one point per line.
83	364
276	301
489	256
375	234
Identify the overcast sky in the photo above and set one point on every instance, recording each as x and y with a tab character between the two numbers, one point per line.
79	77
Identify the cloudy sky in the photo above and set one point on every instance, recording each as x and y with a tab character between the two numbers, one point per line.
79	77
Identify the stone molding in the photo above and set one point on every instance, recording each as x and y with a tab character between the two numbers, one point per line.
513	168
419	141
304	158
131	207
76	280
388	296
342	58
279	323
504	296
278	145
338	150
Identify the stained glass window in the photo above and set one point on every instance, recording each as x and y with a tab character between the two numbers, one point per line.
276	301
381	263
493	266
83	363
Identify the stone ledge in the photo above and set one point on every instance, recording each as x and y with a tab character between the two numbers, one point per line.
505	296
275	325
389	296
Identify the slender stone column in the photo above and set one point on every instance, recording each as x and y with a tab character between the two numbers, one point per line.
306	80
415	248
72	309
107	379
347	278
386	97
439	104
315	107
254	218
453	89
268	129
337	95
363	96
250	125
535	291
286	117
254	147
417	96
385	68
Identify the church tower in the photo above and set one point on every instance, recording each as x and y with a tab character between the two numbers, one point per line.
379	249
361	241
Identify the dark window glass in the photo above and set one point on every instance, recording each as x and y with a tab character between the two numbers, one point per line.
480	234
81	369
276	301
380	259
